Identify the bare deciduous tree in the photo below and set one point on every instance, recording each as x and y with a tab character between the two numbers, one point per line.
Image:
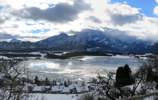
11	87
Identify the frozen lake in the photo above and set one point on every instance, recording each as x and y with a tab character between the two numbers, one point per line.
78	67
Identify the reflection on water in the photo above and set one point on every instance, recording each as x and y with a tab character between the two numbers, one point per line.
78	67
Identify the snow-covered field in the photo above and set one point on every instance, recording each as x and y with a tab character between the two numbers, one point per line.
54	96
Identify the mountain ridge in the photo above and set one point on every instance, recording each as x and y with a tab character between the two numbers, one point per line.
85	40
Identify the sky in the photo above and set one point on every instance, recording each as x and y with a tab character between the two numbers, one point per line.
34	20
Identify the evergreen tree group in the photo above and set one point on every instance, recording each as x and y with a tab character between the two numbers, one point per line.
124	76
37	81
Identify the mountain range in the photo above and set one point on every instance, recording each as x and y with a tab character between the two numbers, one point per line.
85	40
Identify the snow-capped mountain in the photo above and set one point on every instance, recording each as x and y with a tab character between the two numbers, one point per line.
15	40
94	40
86	40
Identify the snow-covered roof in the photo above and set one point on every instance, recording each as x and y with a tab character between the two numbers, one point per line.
66	90
37	88
1	76
3	57
56	89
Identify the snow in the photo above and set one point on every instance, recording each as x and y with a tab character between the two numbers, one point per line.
3	57
66	90
150	98
1	76
62	89
39	96
82	89
37	89
123	57
56	89
26	87
40	88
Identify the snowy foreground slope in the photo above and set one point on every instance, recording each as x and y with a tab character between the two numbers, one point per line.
66	97
54	97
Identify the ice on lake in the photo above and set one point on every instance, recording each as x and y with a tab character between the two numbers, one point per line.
79	67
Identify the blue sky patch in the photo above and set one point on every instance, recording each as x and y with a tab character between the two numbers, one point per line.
39	31
146	6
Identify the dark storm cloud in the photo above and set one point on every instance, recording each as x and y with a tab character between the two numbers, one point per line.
4	18
4	14
94	19
1	21
4	36
119	19
59	13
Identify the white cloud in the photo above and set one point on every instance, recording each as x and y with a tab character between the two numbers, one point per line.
155	11
144	29
124	9
119	16
19	4
123	14
60	13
